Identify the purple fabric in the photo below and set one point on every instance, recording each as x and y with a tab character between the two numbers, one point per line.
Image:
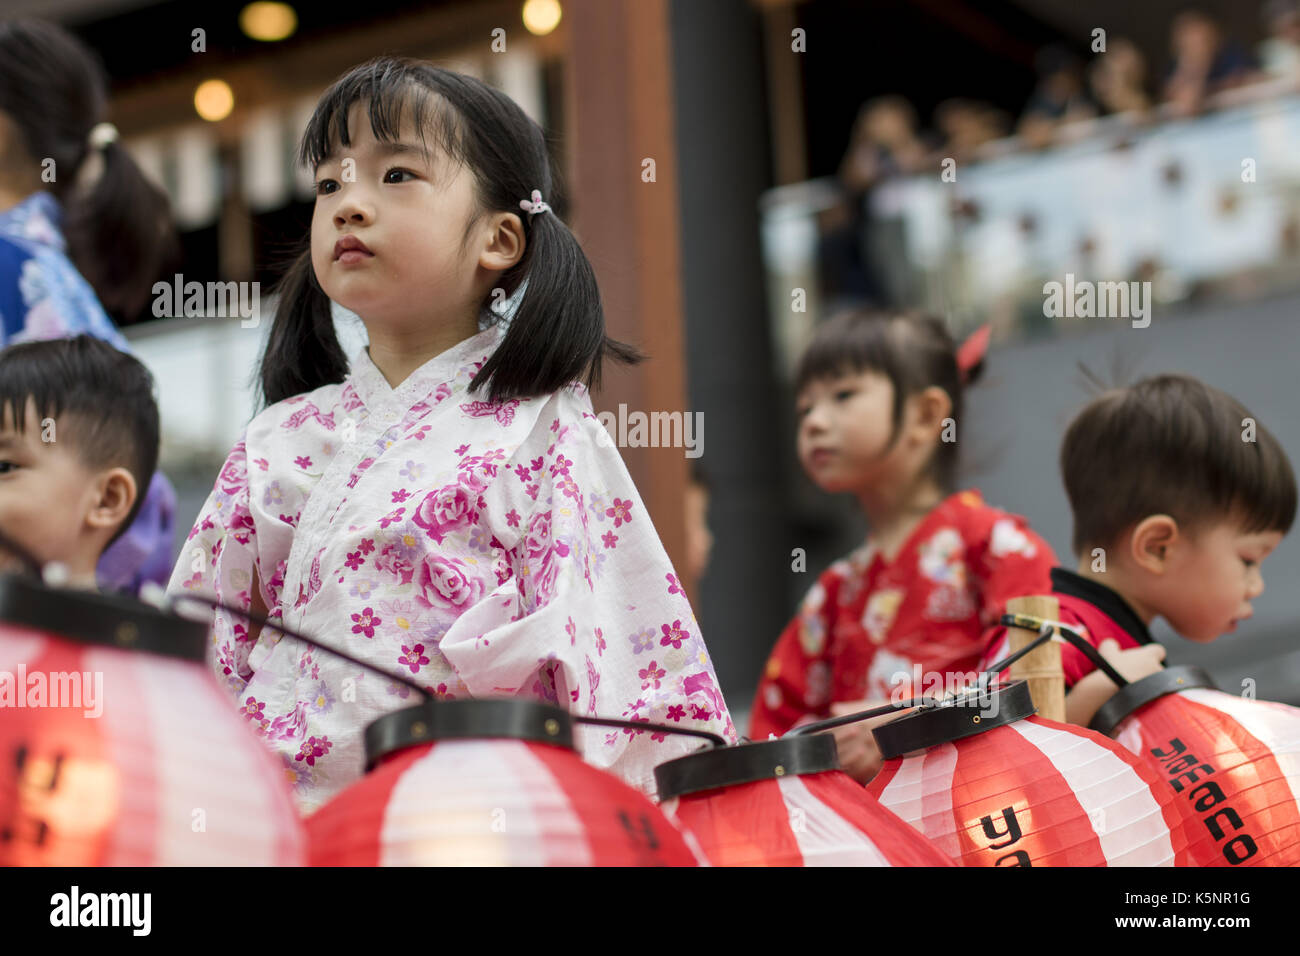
145	552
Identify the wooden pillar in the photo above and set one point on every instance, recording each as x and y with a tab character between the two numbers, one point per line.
621	108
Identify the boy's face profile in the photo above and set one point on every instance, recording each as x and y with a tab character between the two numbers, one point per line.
51	503
1209	579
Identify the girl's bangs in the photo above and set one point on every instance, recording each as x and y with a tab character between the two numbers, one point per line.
390	95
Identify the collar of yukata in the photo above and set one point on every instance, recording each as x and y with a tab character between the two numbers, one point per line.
373	389
37	219
1107	600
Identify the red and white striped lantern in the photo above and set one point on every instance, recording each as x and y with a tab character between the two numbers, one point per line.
488	783
785	803
1233	763
117	748
991	785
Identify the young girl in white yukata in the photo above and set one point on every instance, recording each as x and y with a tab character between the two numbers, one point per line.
445	505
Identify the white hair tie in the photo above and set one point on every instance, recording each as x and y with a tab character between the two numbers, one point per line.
102	135
537	205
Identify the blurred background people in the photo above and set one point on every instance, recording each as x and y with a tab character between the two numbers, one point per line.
82	232
1205	62
1059	98
1118	79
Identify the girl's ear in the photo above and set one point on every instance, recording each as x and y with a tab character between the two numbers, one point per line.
932	405
505	243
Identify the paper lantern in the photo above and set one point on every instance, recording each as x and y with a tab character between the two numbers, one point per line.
785	803
1233	763
117	747
487	783
992	785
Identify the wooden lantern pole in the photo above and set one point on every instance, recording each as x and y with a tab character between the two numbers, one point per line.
1041	667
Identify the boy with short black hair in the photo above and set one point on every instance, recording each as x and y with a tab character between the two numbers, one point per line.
79	437
1178	495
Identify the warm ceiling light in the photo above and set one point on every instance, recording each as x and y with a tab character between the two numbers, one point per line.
541	16
268	21
214	100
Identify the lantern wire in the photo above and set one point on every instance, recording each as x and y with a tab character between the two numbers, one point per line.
833	722
1045	631
646	725
279	626
428	695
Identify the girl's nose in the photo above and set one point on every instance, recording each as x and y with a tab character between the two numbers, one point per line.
353	210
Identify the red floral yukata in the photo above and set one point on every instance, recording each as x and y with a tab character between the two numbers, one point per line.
869	627
1089	607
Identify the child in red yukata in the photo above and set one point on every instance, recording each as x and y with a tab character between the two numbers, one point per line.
879	402
1178	495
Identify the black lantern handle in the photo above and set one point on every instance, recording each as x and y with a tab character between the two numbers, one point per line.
264	621
1045	629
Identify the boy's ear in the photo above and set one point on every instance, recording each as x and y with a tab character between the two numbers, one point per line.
1151	541
505	244
115	495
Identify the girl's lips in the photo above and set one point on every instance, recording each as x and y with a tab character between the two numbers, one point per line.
351	256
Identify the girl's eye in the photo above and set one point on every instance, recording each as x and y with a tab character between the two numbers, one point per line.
1249	563
405	172
6	467
320	187
844	394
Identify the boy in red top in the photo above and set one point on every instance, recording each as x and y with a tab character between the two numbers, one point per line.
879	401
1178	496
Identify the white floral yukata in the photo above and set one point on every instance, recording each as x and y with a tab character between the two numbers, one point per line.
478	549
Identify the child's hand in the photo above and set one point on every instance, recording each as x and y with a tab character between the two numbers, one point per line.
1134	663
859	755
1086	697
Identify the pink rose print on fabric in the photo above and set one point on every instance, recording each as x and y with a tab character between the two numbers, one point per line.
234	473
702	684
303	461
443	583
446	509
365	623
676	713
609	538
674	587
620	511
